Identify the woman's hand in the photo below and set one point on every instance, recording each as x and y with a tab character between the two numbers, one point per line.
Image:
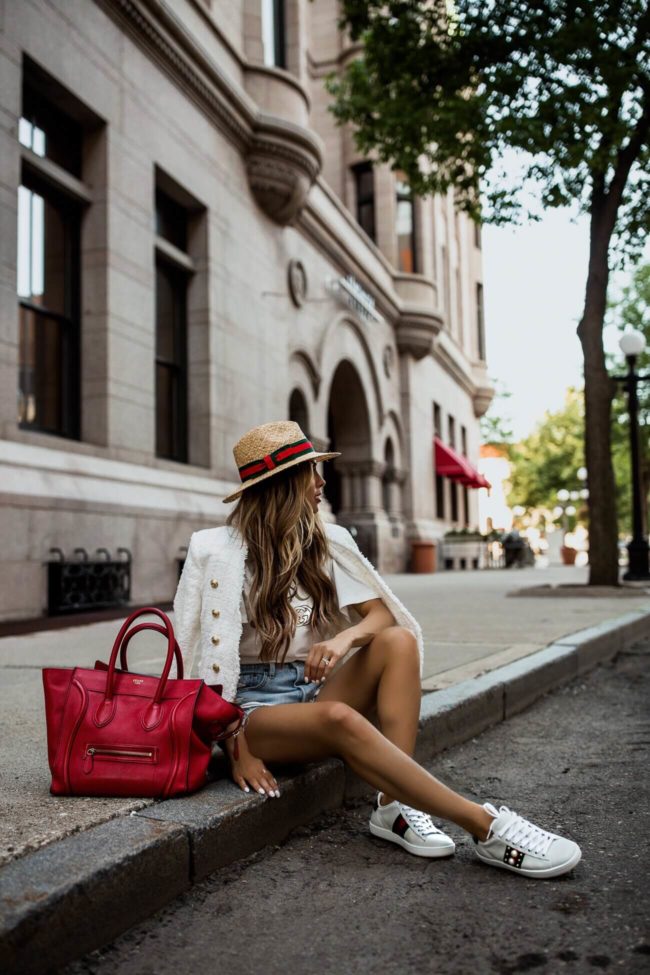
248	771
324	656
251	773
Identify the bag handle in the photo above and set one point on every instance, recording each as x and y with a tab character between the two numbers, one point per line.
107	705
178	656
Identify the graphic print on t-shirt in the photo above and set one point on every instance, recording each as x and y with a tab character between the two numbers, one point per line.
349	591
304	615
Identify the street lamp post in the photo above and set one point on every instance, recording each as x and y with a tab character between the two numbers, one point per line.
632	345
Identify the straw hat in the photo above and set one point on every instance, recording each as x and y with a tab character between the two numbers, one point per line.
270	449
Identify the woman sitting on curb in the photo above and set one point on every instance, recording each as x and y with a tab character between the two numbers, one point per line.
265	602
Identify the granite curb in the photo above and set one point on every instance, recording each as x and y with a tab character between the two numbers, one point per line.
65	899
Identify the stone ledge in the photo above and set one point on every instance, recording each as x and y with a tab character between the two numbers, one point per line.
67	898
224	825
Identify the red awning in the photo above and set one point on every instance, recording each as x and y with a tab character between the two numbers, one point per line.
456	467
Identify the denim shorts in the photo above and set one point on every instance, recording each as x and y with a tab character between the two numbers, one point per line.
264	684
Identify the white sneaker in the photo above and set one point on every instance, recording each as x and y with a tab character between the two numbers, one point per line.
515	844
410	828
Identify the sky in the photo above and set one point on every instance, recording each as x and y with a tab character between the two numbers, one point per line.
534	279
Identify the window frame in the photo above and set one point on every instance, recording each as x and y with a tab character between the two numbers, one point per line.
69	366
359	170
454	502
437	420
451	431
480	321
406	196
177	366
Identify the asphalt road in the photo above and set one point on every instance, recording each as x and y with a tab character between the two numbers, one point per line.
333	899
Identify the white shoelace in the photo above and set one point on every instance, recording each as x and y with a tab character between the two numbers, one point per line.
419	821
523	834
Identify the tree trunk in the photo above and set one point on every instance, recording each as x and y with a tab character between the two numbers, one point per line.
599	392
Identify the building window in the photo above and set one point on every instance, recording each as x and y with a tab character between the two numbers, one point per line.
440	496
171	368
452	432
454	501
48	278
364	182
465	506
463	440
480	322
273	33
171	330
171	220
446	285
477	234
437	420
405	226
48	131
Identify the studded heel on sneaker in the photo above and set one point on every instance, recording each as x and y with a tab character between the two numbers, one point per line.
516	844
409	828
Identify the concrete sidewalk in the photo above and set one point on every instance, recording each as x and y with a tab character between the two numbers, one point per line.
486	654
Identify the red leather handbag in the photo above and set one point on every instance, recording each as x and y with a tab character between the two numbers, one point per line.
114	733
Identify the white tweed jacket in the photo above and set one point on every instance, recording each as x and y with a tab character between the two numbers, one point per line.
207	613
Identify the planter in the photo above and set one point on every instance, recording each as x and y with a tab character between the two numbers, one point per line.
423	557
568	555
464	552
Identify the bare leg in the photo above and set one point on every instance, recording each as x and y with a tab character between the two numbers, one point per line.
311	732
385	674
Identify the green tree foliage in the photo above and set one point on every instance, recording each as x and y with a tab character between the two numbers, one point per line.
496	424
441	90
549	459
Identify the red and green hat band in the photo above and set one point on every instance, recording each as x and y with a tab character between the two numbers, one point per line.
275	459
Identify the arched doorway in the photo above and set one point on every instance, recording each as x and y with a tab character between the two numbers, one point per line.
348	488
298	411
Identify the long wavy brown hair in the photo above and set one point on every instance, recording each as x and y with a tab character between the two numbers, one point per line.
288	549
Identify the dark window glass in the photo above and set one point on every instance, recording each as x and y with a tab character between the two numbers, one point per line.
454	501
463	440
273	33
48	294
477	235
48	132
437	420
452	433
171	363
364	179
405	226
171	220
480	324
440	496
465	505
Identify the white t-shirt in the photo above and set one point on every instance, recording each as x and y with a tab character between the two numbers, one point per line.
349	592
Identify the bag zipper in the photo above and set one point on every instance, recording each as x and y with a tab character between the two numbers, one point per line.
101	750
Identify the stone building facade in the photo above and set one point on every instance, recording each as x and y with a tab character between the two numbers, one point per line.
190	247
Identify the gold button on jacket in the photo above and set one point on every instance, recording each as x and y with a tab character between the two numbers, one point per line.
214	583
216	668
216	613
215	640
